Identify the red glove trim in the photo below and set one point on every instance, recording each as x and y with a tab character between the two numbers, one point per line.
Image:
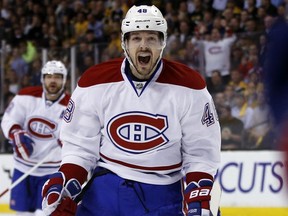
51	182
197	176
67	207
13	129
74	171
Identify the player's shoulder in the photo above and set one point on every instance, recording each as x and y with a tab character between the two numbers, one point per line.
64	101
34	91
106	72
179	74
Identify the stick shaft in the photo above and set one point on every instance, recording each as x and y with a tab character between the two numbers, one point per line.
215	198
14	184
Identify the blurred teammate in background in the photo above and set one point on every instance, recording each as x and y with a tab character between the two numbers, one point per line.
142	124
32	123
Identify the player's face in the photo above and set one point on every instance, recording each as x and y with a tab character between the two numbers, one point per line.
144	48
53	83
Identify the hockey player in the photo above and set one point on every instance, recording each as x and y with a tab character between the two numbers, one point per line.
32	123
141	124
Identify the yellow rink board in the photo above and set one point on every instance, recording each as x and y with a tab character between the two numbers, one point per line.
254	211
4	208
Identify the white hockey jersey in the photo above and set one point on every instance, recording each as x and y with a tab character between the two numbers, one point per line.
145	132
42	122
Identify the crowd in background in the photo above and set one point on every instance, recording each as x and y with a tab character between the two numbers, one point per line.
239	28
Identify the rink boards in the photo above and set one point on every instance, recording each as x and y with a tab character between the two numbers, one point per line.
253	183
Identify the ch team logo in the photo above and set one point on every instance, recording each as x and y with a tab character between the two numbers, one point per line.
215	50
137	132
42	128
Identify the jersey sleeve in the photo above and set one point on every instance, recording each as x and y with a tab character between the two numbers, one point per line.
14	114
80	130
230	40
201	142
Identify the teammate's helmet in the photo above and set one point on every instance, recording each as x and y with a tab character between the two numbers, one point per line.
54	67
144	18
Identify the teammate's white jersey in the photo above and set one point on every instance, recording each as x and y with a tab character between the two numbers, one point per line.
217	55
147	134
42	121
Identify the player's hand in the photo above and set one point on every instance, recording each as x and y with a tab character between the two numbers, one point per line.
197	196
22	143
58	195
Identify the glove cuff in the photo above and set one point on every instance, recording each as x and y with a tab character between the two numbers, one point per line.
13	129
197	176
74	171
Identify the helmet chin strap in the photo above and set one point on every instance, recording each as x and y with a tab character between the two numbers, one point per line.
131	62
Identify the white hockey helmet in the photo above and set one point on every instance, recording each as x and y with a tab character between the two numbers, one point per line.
144	18
54	67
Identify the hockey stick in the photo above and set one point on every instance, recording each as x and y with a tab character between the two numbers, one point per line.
14	184
89	182
215	198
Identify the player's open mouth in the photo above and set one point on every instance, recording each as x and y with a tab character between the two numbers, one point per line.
144	59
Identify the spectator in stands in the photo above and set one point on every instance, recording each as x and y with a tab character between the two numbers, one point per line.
191	56
44	41
84	50
260	134
35	72
65	28
7	93
216	85
219	99
114	48
34	28
237	81
80	26
25	81
281	10
269	8
217	54
234	25
95	26
236	56
198	13
63	9
18	64
261	14
231	129
244	17
14	81
182	36
183	12
229	93
242	111
207	20
261	48
220	24
28	50
251	94
251	8
17	36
